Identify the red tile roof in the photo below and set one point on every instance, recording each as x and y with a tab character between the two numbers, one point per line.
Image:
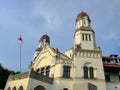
82	14
111	65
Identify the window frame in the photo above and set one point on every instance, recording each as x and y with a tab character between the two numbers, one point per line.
66	71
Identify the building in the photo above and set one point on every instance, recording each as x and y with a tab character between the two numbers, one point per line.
81	67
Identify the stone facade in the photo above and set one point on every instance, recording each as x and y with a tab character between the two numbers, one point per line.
82	67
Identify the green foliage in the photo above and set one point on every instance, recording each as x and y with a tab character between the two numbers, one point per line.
4	73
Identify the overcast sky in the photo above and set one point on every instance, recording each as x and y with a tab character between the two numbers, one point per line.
33	18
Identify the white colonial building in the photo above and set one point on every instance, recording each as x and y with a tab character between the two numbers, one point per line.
81	67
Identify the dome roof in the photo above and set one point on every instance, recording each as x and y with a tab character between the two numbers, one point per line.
81	14
44	37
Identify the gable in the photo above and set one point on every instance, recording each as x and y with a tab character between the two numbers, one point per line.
45	57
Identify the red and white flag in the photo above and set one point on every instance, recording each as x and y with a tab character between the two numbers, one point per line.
20	39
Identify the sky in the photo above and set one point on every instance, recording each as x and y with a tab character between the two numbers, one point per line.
33	18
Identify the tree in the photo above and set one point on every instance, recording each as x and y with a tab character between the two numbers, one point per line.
4	73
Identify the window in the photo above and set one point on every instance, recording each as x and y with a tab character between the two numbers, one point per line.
83	37
107	77
42	70
84	21
38	70
91	72
47	71
66	71
85	72
86	37
89	37
88	72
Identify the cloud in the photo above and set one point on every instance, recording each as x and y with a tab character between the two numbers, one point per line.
112	36
47	16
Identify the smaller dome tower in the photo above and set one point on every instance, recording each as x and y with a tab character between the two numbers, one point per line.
43	40
82	20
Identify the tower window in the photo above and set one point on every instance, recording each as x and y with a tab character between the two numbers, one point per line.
89	37
83	37
66	71
88	72
91	72
86	37
84	21
85	72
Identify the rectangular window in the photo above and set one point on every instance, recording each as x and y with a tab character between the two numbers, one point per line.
119	78
116	61
86	37
107	77
66	71
83	37
89	37
42	70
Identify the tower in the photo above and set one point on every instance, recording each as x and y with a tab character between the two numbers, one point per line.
87	55
84	37
43	40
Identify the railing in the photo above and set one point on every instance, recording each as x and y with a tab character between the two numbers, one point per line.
41	77
32	74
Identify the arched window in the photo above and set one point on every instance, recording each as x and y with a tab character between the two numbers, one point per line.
9	88
42	70
20	88
91	72
65	89
14	88
85	72
47	71
38	70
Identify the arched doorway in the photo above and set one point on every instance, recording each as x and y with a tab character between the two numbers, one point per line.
65	89
39	88
20	88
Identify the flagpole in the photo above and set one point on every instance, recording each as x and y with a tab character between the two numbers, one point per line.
21	41
20	56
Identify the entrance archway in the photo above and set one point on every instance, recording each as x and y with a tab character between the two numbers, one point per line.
39	88
65	89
